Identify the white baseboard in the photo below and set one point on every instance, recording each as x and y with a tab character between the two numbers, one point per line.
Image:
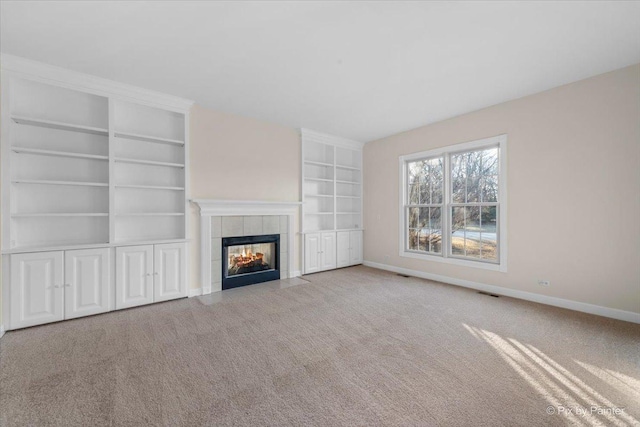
628	316
194	292
293	274
1	331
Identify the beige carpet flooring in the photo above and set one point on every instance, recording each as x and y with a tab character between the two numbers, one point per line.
355	346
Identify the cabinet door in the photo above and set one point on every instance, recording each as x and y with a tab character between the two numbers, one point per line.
356	248
311	253
342	249
328	251
134	278
37	291
170	274
87	282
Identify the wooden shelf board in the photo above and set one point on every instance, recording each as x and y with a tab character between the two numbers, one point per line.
148	162
59	125
318	195
47	182
318	213
339	181
147	242
151	214
353	168
48	215
313	162
53	153
349	197
348	213
318	179
148	138
150	187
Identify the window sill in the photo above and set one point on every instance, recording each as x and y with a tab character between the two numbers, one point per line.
455	261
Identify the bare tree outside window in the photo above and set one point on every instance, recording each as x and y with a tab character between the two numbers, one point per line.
474	198
424	210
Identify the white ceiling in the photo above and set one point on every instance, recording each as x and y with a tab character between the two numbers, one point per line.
361	70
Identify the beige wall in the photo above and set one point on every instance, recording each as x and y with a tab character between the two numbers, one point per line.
573	190
238	158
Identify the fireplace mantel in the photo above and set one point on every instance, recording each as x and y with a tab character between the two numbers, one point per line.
215	207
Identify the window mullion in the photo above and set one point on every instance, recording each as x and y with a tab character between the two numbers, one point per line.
446	199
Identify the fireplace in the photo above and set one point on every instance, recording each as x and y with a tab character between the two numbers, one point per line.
250	259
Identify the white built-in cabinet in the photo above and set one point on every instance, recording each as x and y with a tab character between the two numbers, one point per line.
87	282
37	288
349	248
51	286
134	276
91	169
170	271
320	252
150	273
332	201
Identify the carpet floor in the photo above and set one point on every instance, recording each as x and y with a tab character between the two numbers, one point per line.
350	347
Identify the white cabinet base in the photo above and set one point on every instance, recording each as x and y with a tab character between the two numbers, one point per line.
134	276
329	250
87	282
37	291
170	278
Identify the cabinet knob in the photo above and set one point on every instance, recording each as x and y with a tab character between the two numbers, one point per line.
155	274
67	285
57	286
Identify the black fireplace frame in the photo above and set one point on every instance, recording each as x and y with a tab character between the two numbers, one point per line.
249	278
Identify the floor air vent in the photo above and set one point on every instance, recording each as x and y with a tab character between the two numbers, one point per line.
403	275
488	294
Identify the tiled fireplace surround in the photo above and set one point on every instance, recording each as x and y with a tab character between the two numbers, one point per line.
222	218
232	226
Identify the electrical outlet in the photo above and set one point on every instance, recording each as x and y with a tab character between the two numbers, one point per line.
544	283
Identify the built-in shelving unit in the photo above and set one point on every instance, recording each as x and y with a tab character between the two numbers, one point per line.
149	168
332	202
331	182
93	194
85	167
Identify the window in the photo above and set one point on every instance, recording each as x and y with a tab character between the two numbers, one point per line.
453	204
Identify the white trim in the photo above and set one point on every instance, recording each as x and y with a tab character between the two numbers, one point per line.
501	141
29	249
194	292
293	274
5	319
309	135
75	80
613	313
205	252
1	331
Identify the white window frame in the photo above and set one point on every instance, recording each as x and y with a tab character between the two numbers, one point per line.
445	256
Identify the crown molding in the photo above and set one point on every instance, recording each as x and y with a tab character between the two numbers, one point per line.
97	85
309	135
